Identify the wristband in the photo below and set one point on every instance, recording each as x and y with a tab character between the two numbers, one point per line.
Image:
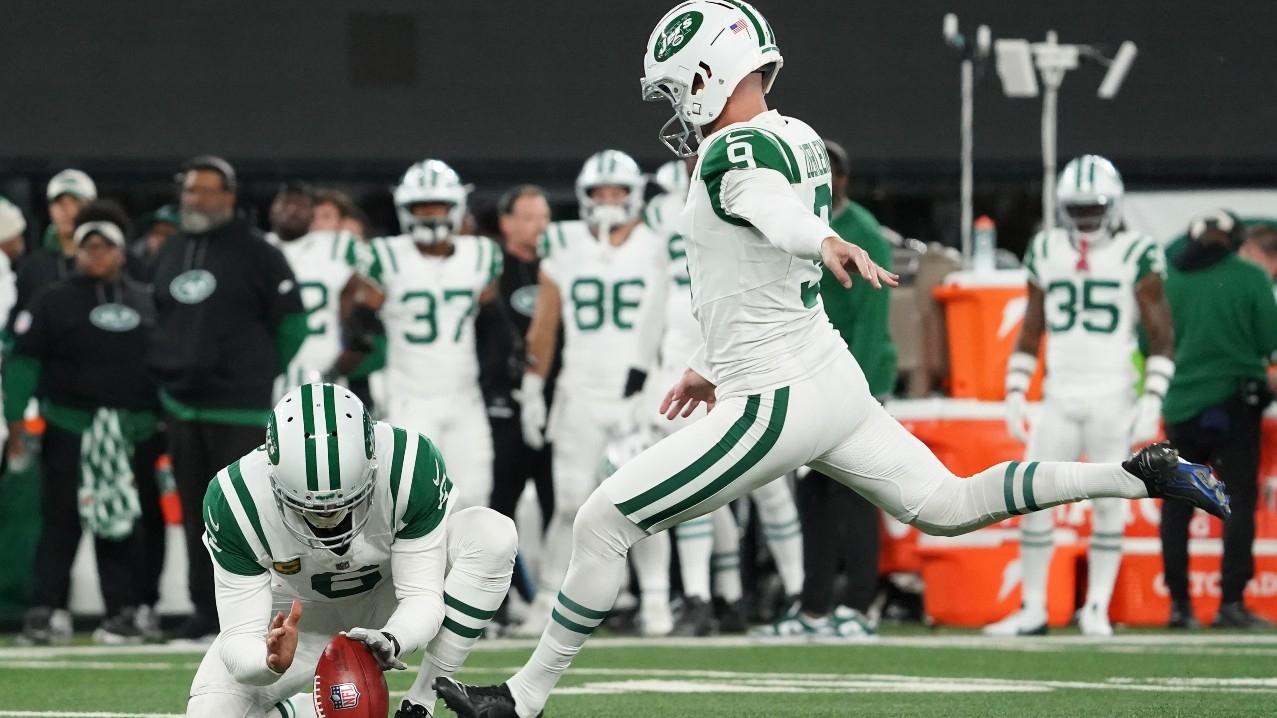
1158	371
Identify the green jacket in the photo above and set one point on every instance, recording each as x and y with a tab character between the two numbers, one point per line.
860	313
1225	319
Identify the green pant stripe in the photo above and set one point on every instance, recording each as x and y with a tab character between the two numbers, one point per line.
478	614
771	434
570	625
1028	486
308	427
330	431
580	610
1008	492
460	630
246	500
716	452
689	535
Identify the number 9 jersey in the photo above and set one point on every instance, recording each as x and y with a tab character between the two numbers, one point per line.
605	293
1091	309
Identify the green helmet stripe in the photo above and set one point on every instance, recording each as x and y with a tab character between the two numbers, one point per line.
308	428
1091	175
330	430
753	19
1077	180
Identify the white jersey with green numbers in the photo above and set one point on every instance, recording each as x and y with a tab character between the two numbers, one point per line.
431	303
603	291
1091	311
322	262
681	335
245	533
758	307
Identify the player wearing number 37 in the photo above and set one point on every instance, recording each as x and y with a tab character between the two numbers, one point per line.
786	392
341	524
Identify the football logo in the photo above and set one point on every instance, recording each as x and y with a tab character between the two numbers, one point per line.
524	299
343	696
114	317
272	440
193	286
676	35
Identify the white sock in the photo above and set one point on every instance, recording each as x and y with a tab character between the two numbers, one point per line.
725	560
960	506
784	533
1037	544
1104	557
301	705
651	558
602	537
482	560
695	540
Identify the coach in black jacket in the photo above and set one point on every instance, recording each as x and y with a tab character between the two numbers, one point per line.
229	317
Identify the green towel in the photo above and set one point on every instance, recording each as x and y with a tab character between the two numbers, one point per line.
109	503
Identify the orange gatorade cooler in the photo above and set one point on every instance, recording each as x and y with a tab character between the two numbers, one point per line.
983	313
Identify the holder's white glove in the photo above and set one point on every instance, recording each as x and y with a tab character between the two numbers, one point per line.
1020	369
533	412
1147	418
384	647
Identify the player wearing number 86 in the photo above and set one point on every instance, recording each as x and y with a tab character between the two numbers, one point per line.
434	279
345	525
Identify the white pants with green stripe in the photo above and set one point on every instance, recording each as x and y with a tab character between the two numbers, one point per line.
1067	429
480	558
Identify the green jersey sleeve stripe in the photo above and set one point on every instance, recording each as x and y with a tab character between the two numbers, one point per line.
223	536
390	253
481	252
246	504
396	468
308	426
330	433
428	498
794	174
1131	250
498	263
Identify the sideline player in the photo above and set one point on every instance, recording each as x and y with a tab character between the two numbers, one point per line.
597	275
342	524
785	389
1090	284
434	278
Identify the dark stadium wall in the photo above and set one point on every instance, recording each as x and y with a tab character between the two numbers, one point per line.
372	82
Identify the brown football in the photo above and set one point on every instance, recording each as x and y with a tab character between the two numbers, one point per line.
348	682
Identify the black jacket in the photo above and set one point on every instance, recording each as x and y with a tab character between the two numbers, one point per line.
90	338
219	298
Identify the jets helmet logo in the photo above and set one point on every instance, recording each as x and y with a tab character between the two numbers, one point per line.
272	440
676	34
193	286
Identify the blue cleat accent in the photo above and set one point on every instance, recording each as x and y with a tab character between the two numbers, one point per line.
1168	476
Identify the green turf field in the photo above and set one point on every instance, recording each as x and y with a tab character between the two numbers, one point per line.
913	674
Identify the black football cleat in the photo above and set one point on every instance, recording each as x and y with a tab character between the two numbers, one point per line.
408	709
697	619
1168	476
477	701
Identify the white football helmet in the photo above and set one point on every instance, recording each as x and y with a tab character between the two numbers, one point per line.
717	42
610	168
431	181
323	463
1088	198
671	177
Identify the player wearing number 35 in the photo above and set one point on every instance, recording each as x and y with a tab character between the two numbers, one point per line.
338	523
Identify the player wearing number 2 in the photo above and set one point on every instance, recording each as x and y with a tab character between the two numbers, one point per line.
1090	284
597	275
434	280
786	391
346	525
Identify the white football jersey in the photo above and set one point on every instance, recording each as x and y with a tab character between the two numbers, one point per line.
1091	310
758	306
681	334
322	262
603	289
245	532
431	303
